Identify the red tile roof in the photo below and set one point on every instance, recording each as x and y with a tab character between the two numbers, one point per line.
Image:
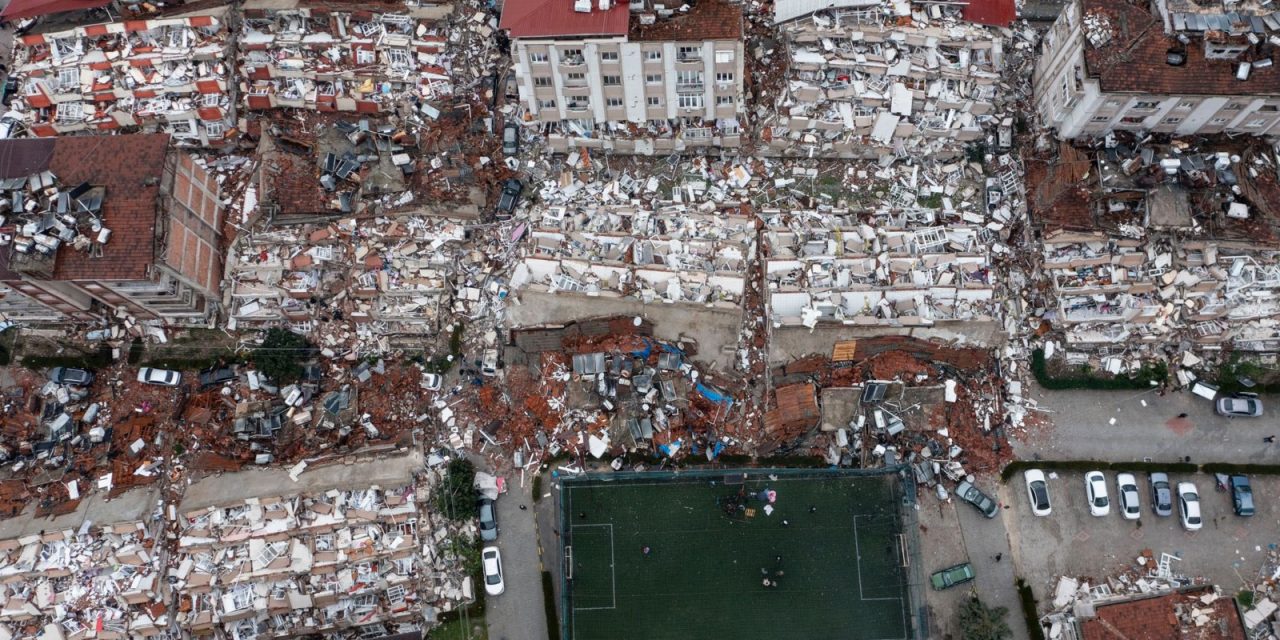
556	18
1156	619
995	13
707	20
130	168
1134	60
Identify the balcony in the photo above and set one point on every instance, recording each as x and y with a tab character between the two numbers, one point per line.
689	87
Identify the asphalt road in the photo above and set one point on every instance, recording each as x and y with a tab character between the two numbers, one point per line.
1146	425
518	613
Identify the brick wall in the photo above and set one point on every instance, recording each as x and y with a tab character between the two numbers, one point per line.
195	221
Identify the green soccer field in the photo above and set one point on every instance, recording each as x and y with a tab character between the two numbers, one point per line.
830	551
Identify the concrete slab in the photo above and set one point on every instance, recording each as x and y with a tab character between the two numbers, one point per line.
788	343
131	506
715	330
229	488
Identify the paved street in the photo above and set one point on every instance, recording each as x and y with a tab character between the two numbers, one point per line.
955	532
1083	429
517	614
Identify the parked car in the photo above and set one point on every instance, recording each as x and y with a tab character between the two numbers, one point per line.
67	375
1189	501
1239	405
510	139
162	377
488	520
1242	495
9	91
1127	494
216	375
491	560
1095	487
981	501
431	381
1038	492
510	197
10	126
1161	494
952	576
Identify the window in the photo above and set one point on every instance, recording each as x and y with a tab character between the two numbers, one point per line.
212	99
178	128
365	56
1142	104
688	54
1256	123
1268	108
1132	120
692	101
546	104
724	78
1233	106
613	102
724	100
69	78
609	56
577	102
688	78
72	111
653	78
537	57
542	81
612	81
399	59
1218	121
575	78
571	56
1186	104
1100	118
1171	120
1113	103
653	101
724	56
653	55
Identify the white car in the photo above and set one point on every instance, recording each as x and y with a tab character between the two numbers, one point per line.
1095	487
492	561
162	377
431	381
1189	503
1127	493
1038	492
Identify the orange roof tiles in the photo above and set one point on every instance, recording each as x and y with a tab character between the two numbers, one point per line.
1156	619
556	18
707	20
1134	60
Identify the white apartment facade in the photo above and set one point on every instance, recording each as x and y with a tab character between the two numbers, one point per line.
639	87
1180	69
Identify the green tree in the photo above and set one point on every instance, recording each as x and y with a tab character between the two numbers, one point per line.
980	622
280	355
456	497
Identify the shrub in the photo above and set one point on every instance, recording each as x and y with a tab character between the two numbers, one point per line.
280	355
1029	612
1151	374
537	487
456	497
980	622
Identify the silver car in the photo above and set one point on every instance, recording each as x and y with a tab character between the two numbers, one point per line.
1161	494
1239	405
162	377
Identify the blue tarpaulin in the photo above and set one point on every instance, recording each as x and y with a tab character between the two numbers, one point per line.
670	450
714	395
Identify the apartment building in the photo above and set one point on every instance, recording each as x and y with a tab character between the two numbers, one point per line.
342	56
629	79
1177	67
107	224
165	73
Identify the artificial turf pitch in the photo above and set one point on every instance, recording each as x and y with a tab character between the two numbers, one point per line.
838	553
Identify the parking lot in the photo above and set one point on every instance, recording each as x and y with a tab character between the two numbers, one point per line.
1072	542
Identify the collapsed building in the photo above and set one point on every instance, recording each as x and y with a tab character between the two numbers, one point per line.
349	550
640	79
864	79
1164	246
668	255
343	56
165	72
1178	67
109	225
